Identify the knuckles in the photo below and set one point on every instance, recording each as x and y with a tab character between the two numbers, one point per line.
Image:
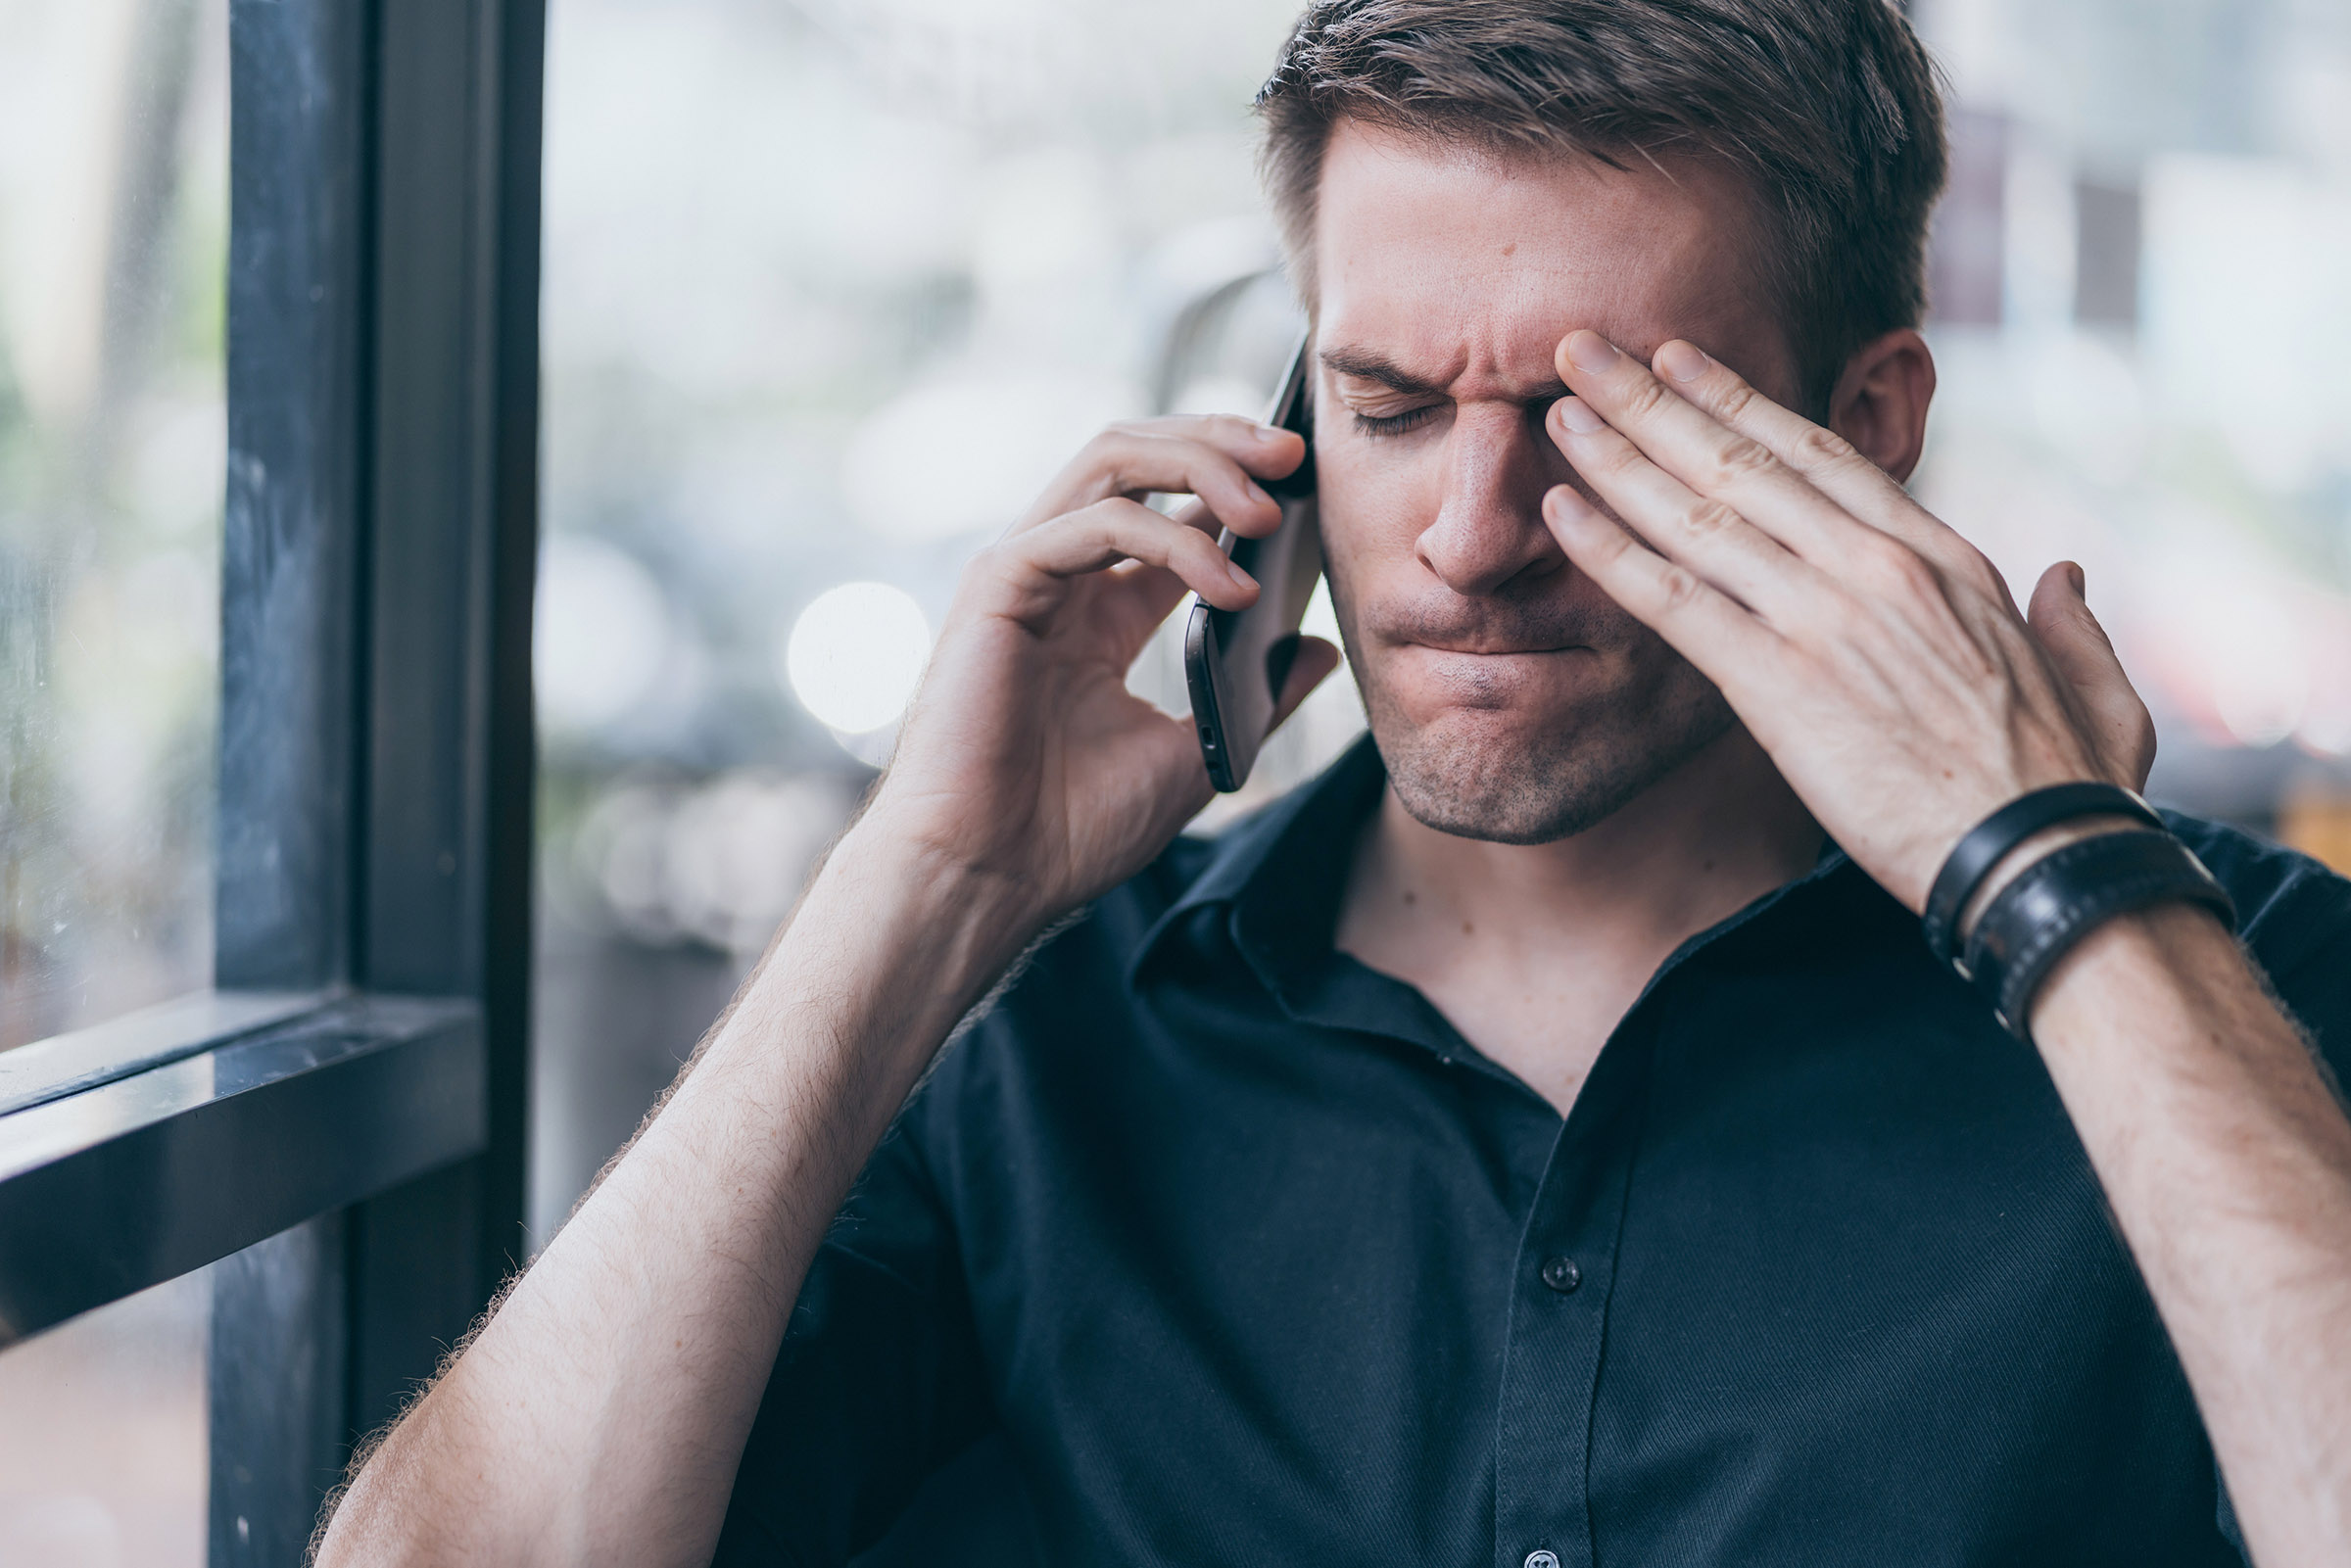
1820	449
1643	397
1741	458
1892	570
1731	401
1678	589
1710	518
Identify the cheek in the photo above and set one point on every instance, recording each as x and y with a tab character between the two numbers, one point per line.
1377	499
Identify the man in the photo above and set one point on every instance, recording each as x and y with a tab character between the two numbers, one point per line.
1546	1139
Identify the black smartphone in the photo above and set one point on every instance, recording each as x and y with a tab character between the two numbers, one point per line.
1235	660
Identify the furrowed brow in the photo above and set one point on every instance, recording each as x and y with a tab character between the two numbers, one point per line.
1367	366
1370	365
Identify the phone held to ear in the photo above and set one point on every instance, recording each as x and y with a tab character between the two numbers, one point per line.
1236	661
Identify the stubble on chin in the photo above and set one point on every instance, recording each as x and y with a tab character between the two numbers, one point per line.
1517	788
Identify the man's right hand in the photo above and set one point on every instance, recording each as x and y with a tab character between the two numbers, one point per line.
1024	758
600	1415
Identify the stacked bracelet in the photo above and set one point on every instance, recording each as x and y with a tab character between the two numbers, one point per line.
1991	840
2046	910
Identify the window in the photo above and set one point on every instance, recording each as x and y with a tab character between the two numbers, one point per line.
103	1448
114	230
274	712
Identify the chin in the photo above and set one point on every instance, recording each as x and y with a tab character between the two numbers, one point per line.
1515	776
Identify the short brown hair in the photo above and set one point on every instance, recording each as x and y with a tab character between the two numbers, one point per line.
1827	109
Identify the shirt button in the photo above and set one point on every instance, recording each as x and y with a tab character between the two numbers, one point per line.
1540	1558
1561	1276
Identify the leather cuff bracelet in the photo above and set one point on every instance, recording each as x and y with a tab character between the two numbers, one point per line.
2053	903
1988	842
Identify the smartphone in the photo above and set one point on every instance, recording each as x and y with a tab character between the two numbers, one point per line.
1235	660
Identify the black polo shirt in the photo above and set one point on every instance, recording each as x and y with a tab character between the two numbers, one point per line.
1241	1254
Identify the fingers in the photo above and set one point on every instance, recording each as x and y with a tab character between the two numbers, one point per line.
1217	458
1034	565
2061	622
1697	445
1806	463
1706	532
1143	596
1697	619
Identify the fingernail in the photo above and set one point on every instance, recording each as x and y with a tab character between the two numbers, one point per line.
1239	576
1682	362
2073	575
1590	351
1257	493
1577	416
1561	505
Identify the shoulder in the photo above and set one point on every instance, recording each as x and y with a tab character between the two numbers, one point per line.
1124	918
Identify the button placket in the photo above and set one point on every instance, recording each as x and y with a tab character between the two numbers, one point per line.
1550	1361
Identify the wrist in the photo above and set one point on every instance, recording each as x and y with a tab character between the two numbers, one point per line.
2024	855
2061	899
889	946
2148	957
888	846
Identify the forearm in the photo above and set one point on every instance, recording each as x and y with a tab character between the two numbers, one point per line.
600	1415
2228	1163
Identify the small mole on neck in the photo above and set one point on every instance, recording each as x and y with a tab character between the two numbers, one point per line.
1411	897
1469	929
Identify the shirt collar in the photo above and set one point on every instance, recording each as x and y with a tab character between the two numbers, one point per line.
1281	869
1279	874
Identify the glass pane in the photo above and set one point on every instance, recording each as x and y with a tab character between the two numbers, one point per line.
830	290
102	1442
2143	324
113	217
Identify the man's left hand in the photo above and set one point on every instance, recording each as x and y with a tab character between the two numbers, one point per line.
1872	651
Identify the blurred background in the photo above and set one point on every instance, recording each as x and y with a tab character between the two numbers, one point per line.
113	239
831	286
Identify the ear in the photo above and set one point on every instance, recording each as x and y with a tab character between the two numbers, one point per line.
1881	401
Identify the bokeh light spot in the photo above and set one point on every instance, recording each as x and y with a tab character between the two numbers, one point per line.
855	655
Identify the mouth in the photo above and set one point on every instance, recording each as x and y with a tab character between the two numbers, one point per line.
1498	650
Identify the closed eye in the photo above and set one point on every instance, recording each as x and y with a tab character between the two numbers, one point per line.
1394	424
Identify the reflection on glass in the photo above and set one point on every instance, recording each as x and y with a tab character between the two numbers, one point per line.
112	237
103	1441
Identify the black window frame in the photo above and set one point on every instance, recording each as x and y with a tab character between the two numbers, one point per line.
339	1126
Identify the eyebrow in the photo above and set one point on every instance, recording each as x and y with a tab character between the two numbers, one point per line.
1370	365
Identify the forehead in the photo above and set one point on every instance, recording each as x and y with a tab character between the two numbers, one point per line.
1451	260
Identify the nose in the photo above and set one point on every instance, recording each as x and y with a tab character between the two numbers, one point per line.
1489	530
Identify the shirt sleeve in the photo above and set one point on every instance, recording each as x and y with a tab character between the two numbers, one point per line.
2295	919
878	1384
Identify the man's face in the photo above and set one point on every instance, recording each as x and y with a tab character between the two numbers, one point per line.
1510	698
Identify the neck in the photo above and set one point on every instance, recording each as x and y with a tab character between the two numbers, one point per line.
1535	951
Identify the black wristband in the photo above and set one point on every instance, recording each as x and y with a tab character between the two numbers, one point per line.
1988	842
2060	898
